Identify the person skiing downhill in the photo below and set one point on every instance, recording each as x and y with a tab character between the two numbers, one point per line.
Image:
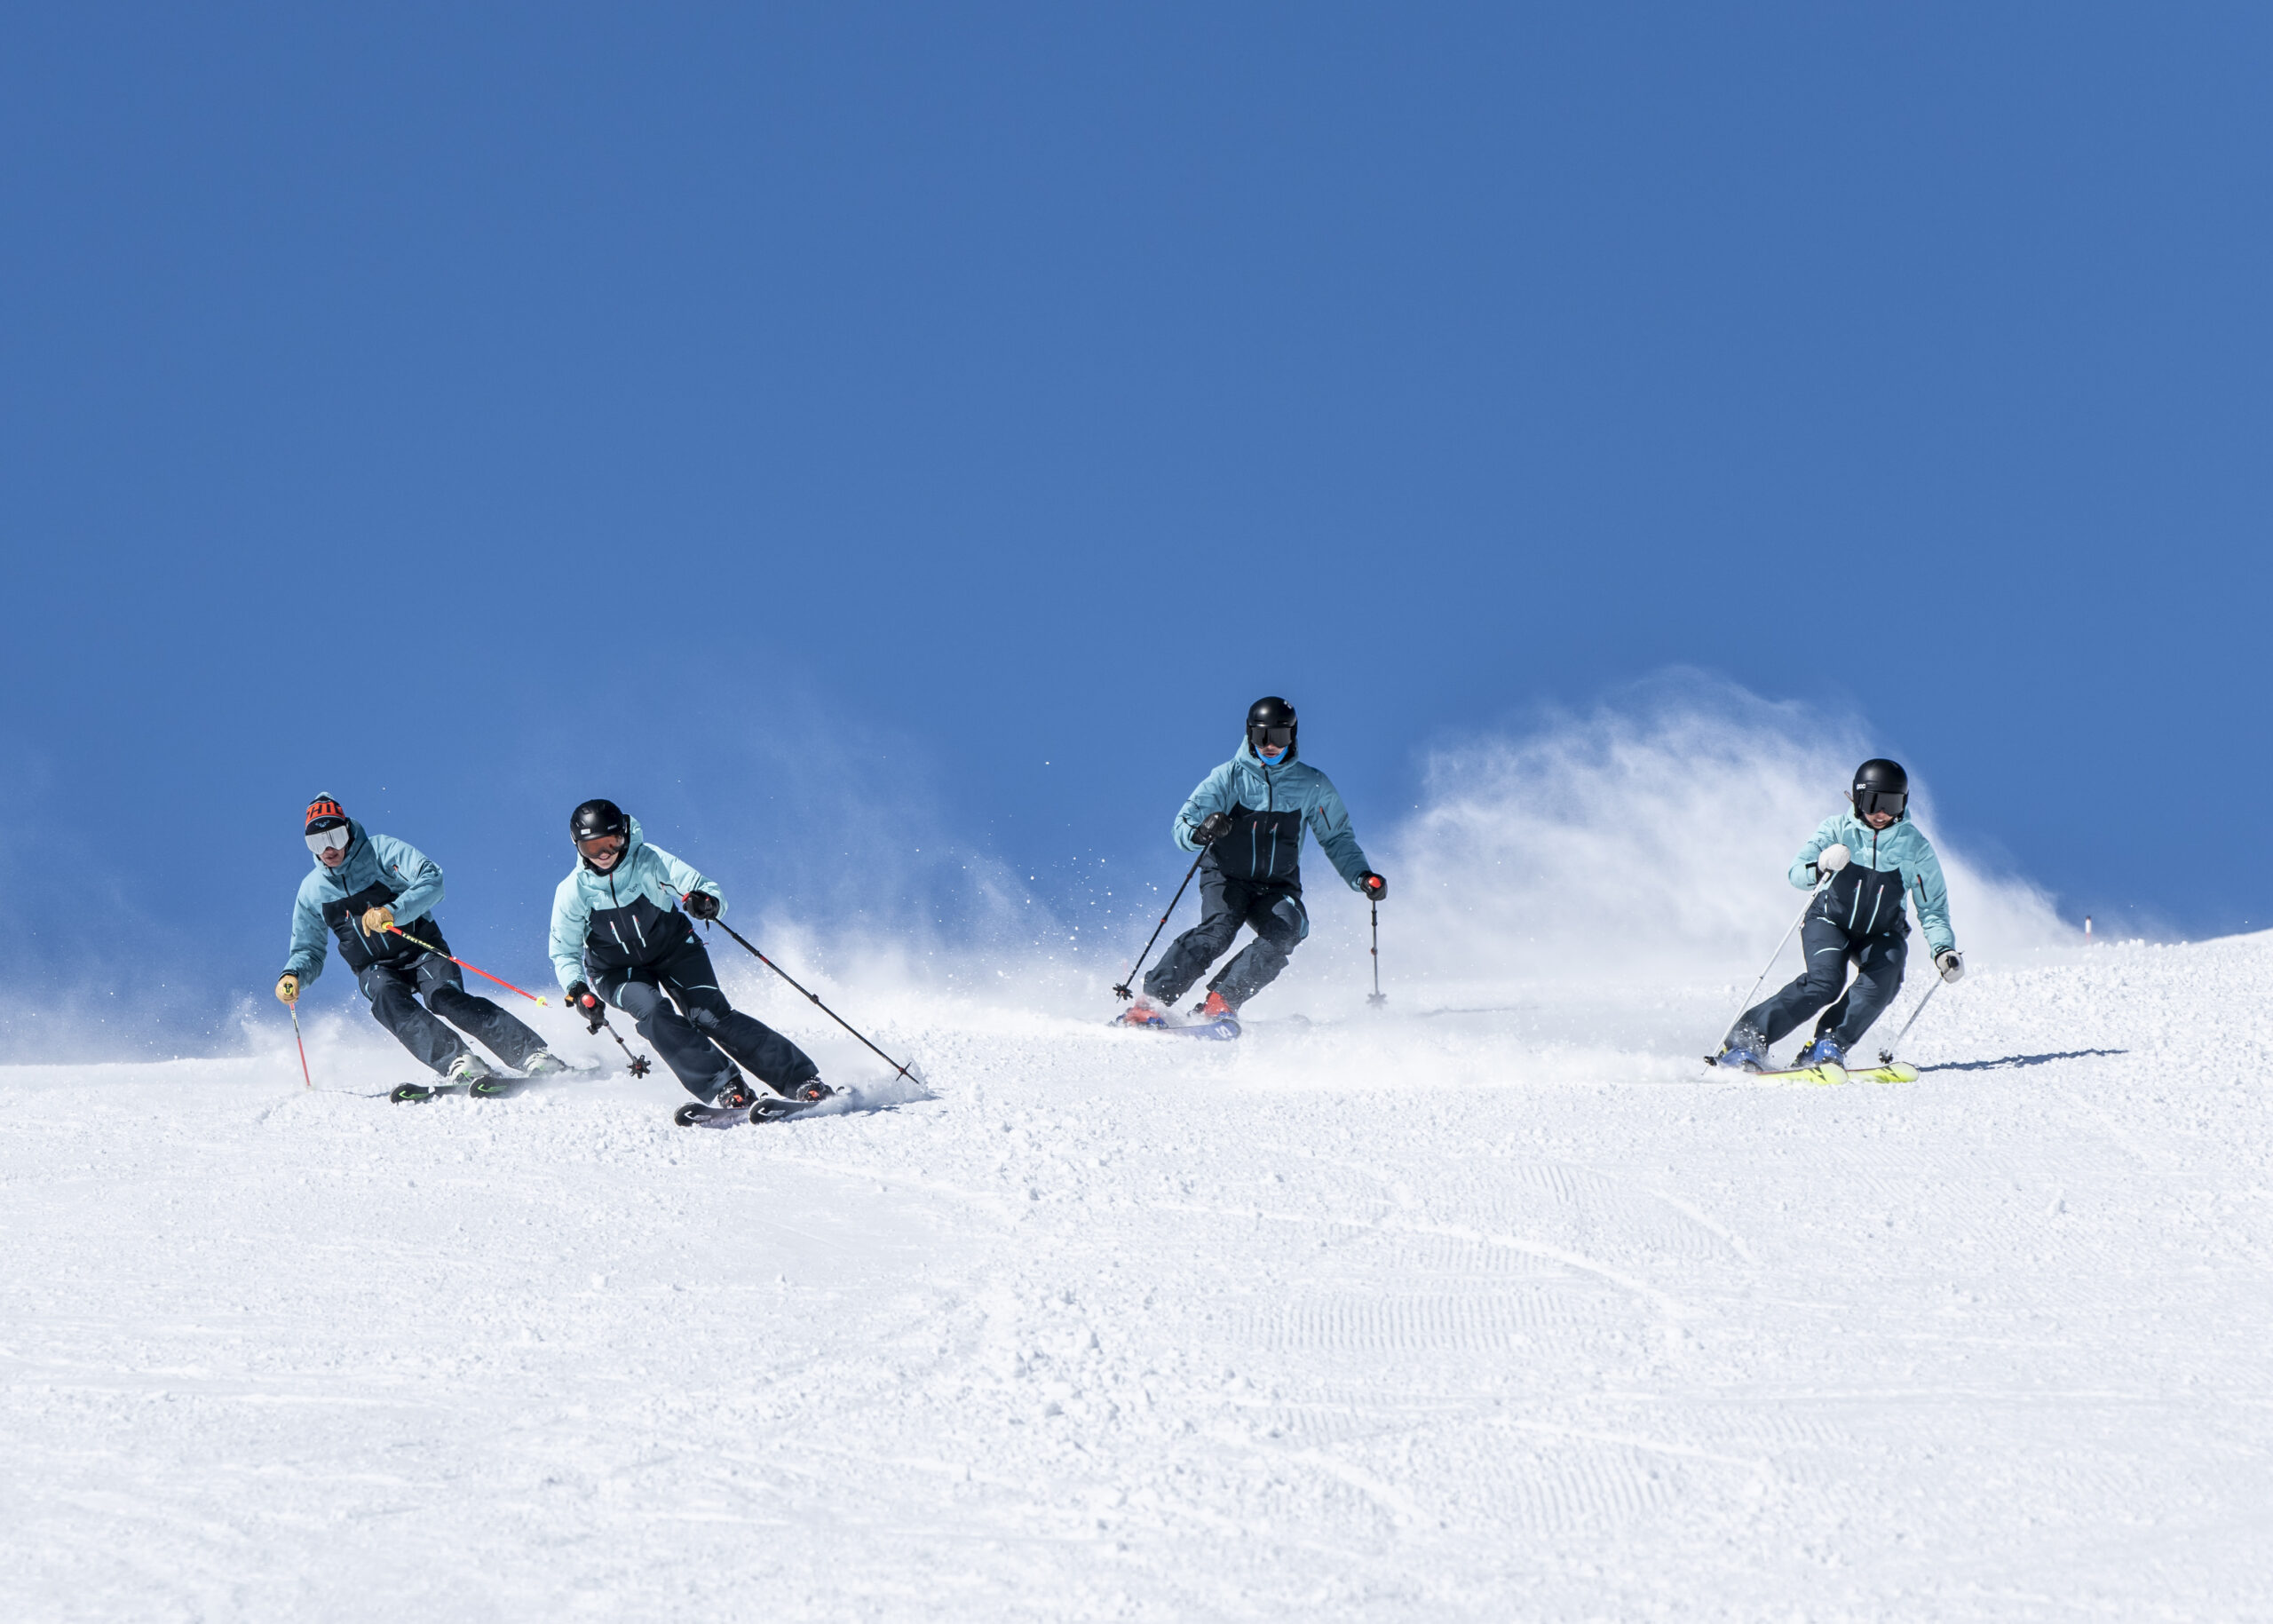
619	936
362	884
1876	860
1247	817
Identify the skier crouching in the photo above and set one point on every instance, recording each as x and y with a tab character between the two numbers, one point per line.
362	884
1876	860
618	935
1249	815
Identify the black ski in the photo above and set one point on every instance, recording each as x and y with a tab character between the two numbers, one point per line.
487	1088
769	1108
497	1085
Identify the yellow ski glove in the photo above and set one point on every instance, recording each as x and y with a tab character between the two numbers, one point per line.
376	921
287	989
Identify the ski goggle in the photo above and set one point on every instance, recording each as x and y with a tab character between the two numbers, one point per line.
1277	738
333	839
600	845
1869	801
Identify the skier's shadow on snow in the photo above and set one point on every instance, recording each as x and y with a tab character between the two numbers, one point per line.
2014	1062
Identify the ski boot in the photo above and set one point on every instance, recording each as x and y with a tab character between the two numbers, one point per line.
1823	1051
468	1068
1214	1008
544	1063
1144	1012
736	1095
799	1095
1742	1059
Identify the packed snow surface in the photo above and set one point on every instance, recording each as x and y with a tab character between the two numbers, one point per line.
1494	1310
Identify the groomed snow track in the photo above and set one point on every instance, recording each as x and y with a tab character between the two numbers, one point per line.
1495	1314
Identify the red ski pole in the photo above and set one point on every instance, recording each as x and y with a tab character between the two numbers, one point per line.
310	1081
462	964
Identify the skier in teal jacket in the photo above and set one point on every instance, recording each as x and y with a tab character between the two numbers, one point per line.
1248	817
1864	866
621	935
360	886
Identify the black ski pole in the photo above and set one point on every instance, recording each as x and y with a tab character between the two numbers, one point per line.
1886	1055
1122	991
1378	997
640	1064
823	1008
636	1065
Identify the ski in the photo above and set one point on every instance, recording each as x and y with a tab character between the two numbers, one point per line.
769	1108
1897	1072
497	1085
1831	1076
772	1110
695	1115
419	1093
1222	1029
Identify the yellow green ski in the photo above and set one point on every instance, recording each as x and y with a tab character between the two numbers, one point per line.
1830	1075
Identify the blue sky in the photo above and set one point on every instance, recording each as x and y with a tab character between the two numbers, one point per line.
803	426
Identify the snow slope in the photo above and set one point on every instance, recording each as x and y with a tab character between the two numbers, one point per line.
1497	1311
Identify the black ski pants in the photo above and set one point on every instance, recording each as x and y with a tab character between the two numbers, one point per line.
394	989
1275	910
690	1035
1878	977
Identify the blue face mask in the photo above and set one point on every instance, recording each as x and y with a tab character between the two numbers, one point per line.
1268	759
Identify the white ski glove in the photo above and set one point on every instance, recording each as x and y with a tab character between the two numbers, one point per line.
1950	964
1831	859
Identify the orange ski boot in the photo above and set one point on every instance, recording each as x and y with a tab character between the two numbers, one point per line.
1144	1012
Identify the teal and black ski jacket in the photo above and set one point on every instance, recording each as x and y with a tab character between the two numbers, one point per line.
1270	804
1885	868
624	918
380	871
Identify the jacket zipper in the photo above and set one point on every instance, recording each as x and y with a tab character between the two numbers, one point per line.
1271	805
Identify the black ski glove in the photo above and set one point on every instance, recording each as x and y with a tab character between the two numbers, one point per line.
1375	887
1213	828
582	1000
701	904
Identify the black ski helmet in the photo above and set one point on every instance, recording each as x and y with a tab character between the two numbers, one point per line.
1270	721
595	819
1880	786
